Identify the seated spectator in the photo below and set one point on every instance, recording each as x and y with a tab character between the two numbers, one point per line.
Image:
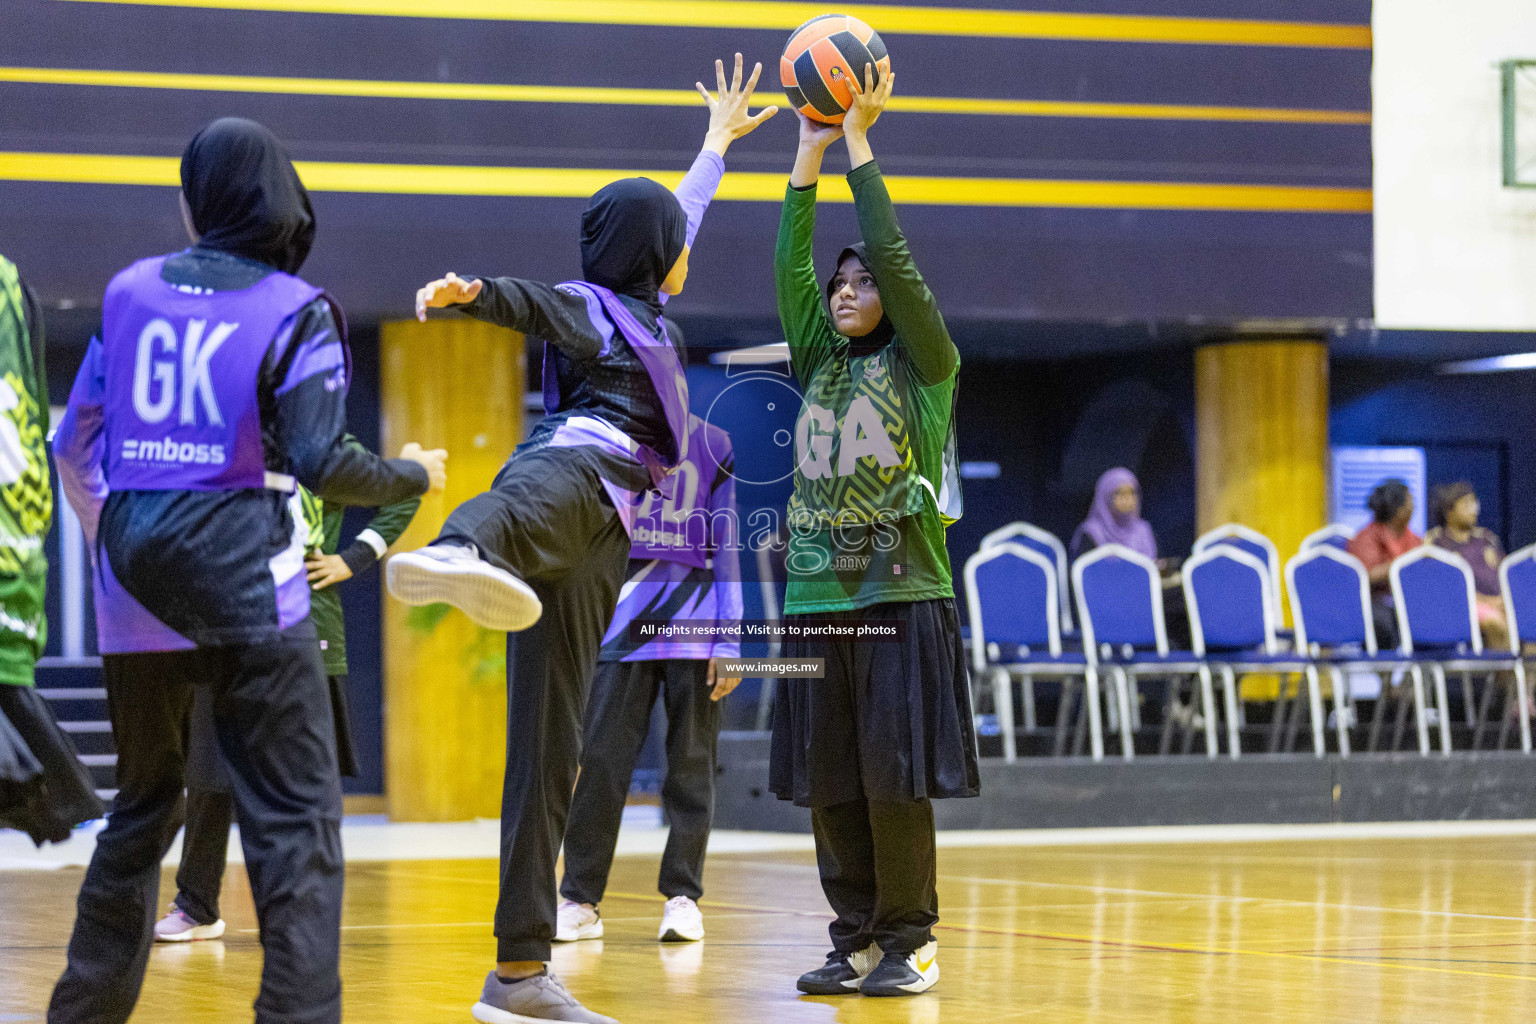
1115	518
1454	510
1378	544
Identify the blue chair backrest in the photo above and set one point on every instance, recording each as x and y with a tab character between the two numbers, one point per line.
1517	577
1432	589
1334	535
1246	546
1049	545
1115	594
1330	598
1012	596
1227	591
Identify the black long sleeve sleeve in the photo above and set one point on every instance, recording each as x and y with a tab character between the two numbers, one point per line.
537	309
308	425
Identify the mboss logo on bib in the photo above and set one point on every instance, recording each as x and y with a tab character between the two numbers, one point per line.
173	375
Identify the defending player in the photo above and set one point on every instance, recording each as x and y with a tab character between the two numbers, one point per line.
889	729
684	568
217	384
194	914
551	537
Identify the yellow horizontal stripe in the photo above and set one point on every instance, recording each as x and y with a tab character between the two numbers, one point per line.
497	93
569	182
886	18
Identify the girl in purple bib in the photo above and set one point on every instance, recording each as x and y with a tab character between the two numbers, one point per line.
543	554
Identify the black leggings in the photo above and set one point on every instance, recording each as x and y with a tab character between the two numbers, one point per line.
547	519
272	715
877	863
618	719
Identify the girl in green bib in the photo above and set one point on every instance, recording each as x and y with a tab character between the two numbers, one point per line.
889	728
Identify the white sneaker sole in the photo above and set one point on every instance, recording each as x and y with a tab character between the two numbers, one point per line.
488	1014
491	597
197	933
586	931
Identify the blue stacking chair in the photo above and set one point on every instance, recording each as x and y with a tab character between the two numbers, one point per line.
1334	535
1049	545
1232	627
1120	608
1437	617
1245	539
1331	606
1517	582
1011	593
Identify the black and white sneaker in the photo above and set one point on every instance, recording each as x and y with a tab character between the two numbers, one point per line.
842	973
454	574
904	975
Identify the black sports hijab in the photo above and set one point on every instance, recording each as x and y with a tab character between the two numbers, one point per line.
884	330
632	233
245	196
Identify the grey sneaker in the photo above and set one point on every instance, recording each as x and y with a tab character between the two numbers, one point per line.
531	1001
453	574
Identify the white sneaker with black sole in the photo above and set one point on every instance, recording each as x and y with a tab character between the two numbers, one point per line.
576	921
682	921
453	574
907	975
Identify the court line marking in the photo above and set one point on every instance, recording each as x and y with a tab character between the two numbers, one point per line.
579	182
888	18
493	92
1166	947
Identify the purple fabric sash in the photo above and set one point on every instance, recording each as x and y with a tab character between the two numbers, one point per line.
657	356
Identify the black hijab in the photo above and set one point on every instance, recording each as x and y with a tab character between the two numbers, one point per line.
632	233
884	331
245	196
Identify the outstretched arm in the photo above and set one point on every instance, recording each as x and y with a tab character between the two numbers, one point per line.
911	306
806	328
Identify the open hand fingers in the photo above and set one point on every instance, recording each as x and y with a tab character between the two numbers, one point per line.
720	77
762	116
736	77
708	99
757	70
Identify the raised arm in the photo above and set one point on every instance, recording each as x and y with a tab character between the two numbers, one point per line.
911	306
807	329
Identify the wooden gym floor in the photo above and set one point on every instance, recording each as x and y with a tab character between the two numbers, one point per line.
1353	931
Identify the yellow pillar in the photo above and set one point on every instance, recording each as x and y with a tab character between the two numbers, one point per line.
1261	411
454	384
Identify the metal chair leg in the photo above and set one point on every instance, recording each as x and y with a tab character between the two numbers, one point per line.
1484	709
1122	692
1467	699
1293	720
1379	714
1165	738
1315	698
1522	694
1445	709
1064	716
1030	723
1002	700
1342	708
1282	709
1229	690
1208	708
1135	702
1095	725
1421	716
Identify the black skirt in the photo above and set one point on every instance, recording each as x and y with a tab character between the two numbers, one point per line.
44	789
890	722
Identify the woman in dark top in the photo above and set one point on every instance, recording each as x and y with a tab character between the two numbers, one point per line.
1454	510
